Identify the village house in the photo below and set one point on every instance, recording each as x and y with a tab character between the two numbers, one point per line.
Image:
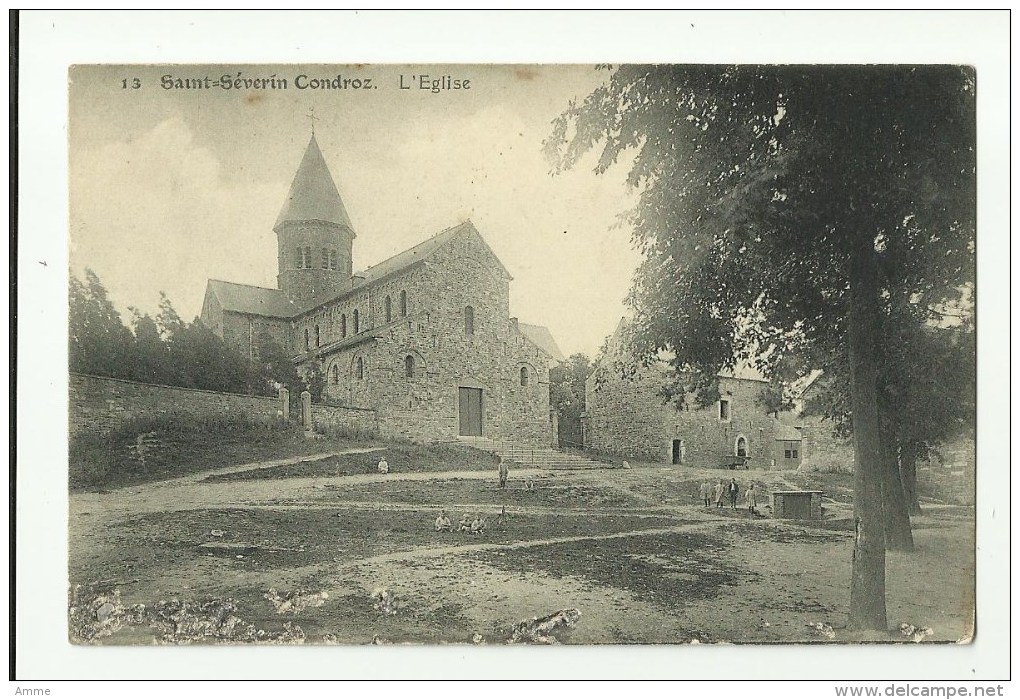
424	339
626	415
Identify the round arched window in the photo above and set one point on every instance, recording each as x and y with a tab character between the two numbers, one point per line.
524	376
409	366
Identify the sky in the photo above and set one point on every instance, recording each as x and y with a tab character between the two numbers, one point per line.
171	187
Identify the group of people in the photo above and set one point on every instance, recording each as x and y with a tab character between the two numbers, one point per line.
474	524
721	491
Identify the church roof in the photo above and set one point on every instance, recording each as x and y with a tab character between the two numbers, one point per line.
413	255
313	195
249	299
540	336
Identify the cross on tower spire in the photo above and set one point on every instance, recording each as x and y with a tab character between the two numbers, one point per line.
312	118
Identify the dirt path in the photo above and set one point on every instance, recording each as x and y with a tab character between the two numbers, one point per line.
432	551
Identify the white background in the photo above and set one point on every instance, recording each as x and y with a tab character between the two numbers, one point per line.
51	41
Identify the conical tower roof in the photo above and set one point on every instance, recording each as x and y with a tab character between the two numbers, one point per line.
313	195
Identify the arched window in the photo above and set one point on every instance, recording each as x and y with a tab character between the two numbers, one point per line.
299	259
403	303
336	374
524	376
307	347
389	308
308	257
332	261
357	322
359	368
343	325
325	258
469	320
409	366
741	446
316	335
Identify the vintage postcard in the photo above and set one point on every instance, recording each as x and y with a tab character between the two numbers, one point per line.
494	345
521	354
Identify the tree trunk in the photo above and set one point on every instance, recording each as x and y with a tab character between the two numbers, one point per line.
867	578
908	476
898	536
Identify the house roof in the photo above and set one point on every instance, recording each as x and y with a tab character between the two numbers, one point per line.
313	195
249	299
540	336
800	386
743	371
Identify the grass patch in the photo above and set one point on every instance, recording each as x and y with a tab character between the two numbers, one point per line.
168	446
401	458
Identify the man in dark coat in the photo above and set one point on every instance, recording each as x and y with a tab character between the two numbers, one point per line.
733	490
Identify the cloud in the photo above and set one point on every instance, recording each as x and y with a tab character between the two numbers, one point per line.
156	213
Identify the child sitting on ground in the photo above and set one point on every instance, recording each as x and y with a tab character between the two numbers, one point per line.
443	523
478	525
465	523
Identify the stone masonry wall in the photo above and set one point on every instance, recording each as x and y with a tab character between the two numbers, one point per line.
627	417
425	407
344	421
823	450
100	404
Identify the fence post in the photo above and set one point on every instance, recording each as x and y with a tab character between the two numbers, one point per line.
306	410
285	404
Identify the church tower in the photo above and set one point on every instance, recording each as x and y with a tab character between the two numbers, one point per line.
314	233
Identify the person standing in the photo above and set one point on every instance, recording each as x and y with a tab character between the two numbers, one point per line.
720	490
504	473
752	499
733	490
705	490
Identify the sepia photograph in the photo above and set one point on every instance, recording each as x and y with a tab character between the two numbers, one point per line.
672	362
364	354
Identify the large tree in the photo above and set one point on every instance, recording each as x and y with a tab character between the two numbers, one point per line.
99	342
786	208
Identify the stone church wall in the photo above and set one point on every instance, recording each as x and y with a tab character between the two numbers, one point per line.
425	407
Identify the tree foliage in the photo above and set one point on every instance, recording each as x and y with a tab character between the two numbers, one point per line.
752	179
791	210
566	394
161	350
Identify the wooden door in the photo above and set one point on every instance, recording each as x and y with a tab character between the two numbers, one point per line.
470	411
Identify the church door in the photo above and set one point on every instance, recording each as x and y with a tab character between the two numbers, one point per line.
470	411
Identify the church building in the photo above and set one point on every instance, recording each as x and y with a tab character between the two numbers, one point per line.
424	339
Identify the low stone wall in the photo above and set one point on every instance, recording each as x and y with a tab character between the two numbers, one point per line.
344	421
100	404
948	475
783	504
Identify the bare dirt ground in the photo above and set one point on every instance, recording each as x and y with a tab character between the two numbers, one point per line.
355	559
